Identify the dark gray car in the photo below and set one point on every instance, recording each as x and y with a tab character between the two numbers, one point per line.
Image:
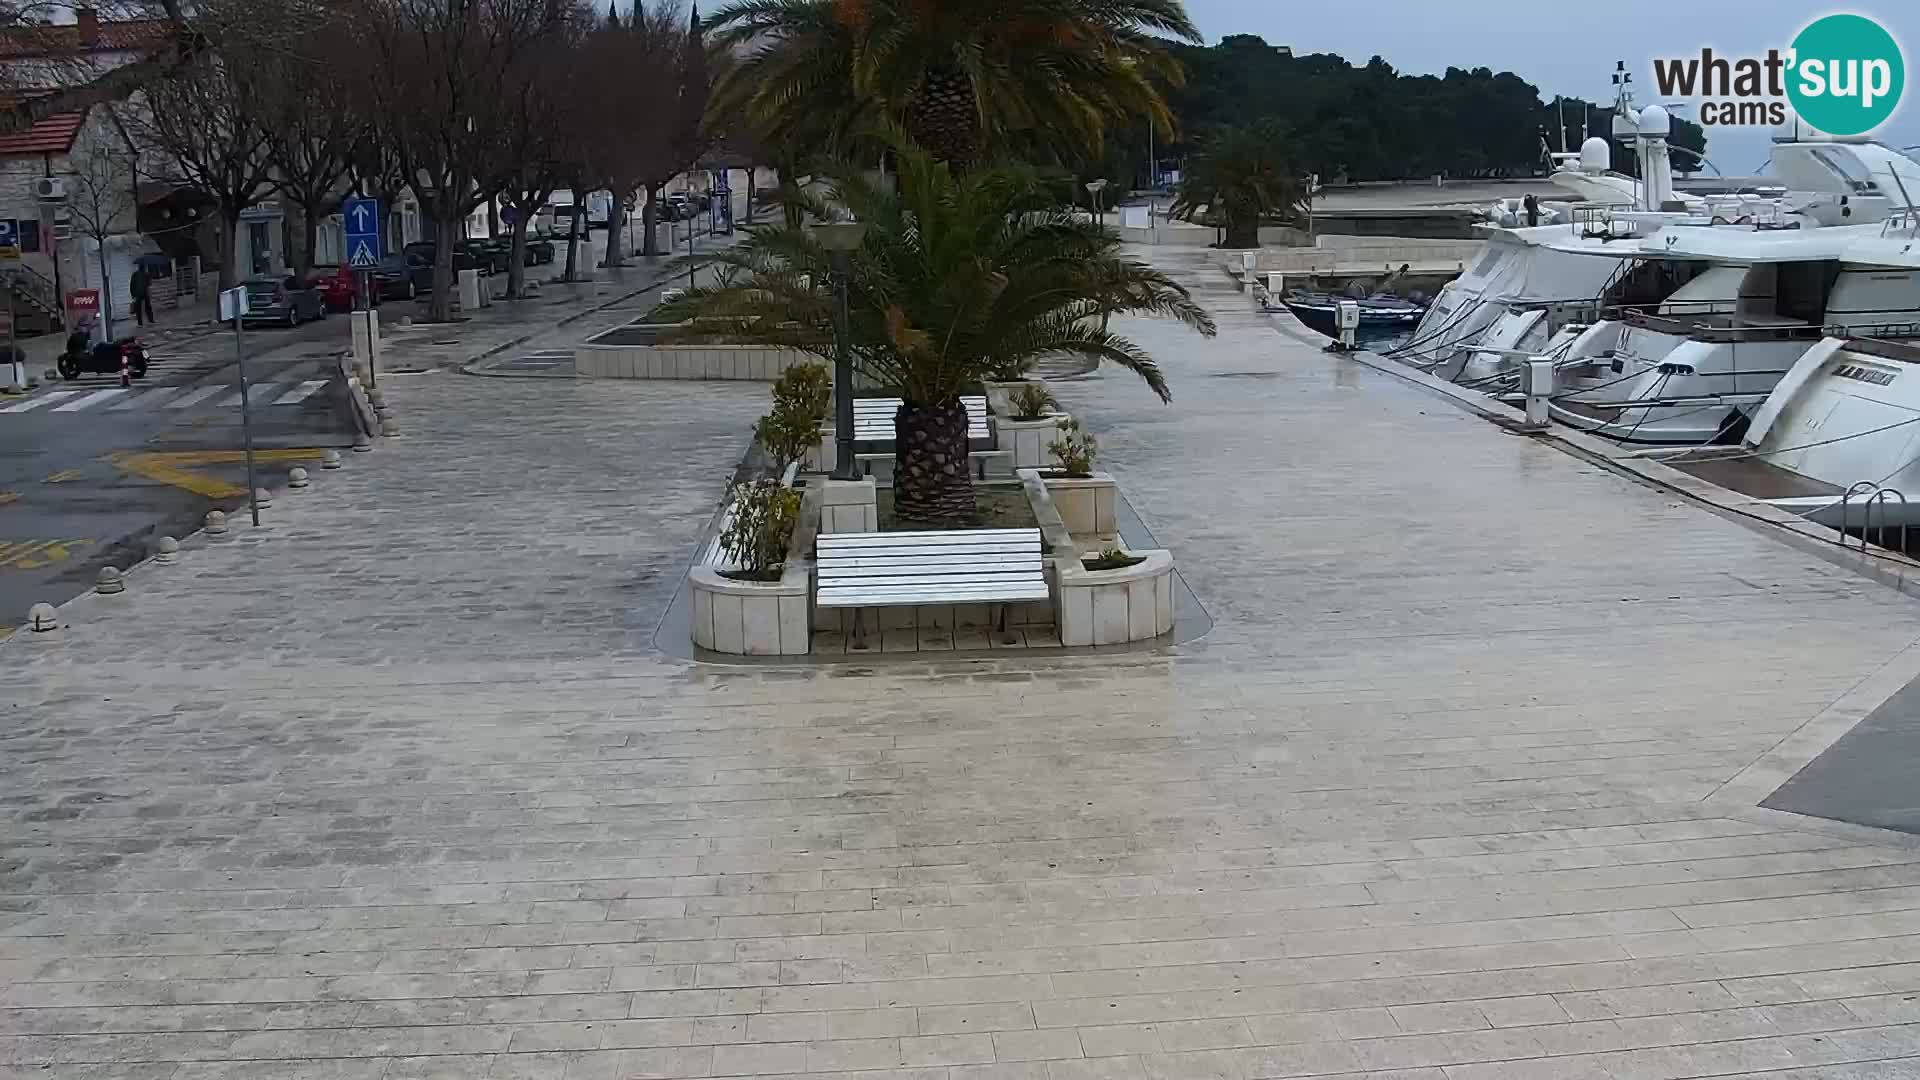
282	299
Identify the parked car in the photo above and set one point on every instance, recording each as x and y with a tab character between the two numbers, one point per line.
678	207
539	251
282	298
491	254
340	286
424	251
405	276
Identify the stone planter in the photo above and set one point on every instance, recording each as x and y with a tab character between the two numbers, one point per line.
849	506
1028	439
820	456
1086	503
719	362
999	395
752	618
1113	607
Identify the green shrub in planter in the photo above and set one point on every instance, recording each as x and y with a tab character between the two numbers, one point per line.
1075	449
1031	402
764	513
786	434
806	388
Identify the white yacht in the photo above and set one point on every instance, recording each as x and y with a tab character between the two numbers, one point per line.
1535	291
1837	440
1691	368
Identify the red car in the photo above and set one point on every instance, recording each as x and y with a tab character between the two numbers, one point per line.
338	286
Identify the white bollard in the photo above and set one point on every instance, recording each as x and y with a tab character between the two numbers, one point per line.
166	549
109	582
262	498
297	478
42	618
216	523
330	459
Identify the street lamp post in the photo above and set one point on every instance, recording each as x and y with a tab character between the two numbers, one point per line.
1094	188
842	239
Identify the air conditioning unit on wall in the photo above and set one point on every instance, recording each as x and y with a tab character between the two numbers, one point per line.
50	188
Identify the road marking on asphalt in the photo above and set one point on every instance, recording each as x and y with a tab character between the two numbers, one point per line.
195	396
175	468
44	399
300	393
38	554
9	496
141	399
63	476
92	399
257	394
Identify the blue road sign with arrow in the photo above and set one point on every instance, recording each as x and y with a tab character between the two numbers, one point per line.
362	218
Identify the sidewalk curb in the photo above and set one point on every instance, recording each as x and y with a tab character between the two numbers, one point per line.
468	367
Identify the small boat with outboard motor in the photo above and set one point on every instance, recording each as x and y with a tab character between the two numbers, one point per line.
1380	314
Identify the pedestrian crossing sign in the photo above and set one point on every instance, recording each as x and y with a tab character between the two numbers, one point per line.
362	256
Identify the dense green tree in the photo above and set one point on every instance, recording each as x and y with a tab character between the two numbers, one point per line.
1371	122
962	277
1239	178
969	81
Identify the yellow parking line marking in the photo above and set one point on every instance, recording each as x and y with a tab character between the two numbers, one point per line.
174	468
36	554
8	496
63	476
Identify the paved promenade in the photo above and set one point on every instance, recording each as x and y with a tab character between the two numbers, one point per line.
1462	786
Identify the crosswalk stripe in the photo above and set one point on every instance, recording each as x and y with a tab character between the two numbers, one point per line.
256	395
142	399
194	396
44	399
300	393
91	400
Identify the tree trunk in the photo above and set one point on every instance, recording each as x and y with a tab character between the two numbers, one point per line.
789	194
750	168
1243	232
573	244
650	219
931	484
517	268
309	241
616	221
229	258
445	234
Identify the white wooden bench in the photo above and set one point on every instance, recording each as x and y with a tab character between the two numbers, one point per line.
908	569
873	418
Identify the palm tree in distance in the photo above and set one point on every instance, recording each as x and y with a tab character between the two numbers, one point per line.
1239	178
970	80
962	277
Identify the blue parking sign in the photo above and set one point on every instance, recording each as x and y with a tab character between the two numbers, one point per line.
362	217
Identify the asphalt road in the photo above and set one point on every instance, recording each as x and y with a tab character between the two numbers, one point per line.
91	474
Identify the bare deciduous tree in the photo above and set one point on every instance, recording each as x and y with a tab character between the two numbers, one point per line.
100	179
207	125
443	76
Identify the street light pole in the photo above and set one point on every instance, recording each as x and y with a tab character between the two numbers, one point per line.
842	239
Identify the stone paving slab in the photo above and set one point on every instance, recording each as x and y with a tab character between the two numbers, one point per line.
1435	799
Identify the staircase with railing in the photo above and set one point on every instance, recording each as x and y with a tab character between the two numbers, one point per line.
36	300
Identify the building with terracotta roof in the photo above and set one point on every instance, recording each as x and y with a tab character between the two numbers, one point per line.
86	153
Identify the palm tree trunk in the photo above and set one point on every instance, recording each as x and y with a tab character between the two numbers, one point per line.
931	485
1243	232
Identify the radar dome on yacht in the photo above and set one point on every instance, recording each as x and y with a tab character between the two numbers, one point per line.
1655	122
1596	155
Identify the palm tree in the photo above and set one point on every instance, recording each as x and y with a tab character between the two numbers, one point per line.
968	80
1239	178
960	278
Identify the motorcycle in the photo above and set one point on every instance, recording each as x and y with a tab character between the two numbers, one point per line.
103	358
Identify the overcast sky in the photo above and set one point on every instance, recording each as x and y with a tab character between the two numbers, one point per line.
1561	49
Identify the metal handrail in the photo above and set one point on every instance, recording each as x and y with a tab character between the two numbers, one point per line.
1880	499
